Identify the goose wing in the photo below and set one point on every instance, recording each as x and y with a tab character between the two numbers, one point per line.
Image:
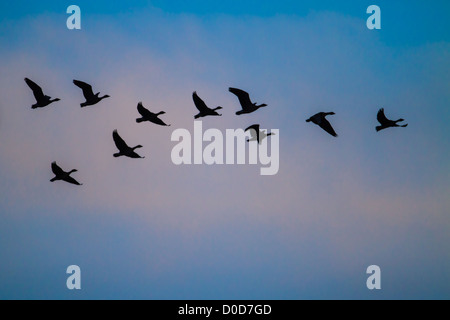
143	111
243	96
57	170
72	181
254	131
381	117
199	103
120	143
37	91
325	125
159	121
87	89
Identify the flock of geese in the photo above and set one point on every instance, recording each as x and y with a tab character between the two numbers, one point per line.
246	103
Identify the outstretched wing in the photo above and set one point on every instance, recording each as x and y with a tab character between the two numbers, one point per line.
72	181
143	111
56	169
199	103
243	96
87	89
37	91
325	125
381	117
120	143
254	131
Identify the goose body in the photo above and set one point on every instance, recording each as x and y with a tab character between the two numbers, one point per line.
244	99
150	116
386	123
61	175
42	100
257	134
203	109
320	120
124	149
88	94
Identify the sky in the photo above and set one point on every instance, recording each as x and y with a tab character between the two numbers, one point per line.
148	229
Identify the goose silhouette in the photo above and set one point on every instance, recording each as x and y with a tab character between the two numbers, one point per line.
60	174
203	109
41	99
150	116
88	94
257	134
386	123
124	149
320	120
244	99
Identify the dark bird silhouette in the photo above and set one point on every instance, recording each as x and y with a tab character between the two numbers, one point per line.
320	120
60	174
244	100
124	149
386	123
257	135
41	99
89	95
150	116
203	108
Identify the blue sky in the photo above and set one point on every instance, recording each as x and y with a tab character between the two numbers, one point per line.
152	230
408	22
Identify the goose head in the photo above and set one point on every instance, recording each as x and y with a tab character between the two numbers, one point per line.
105	96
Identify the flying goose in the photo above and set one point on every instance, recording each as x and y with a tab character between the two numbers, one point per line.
386	123
41	99
60	174
244	100
150	116
124	149
320	120
257	135
203	108
89	95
